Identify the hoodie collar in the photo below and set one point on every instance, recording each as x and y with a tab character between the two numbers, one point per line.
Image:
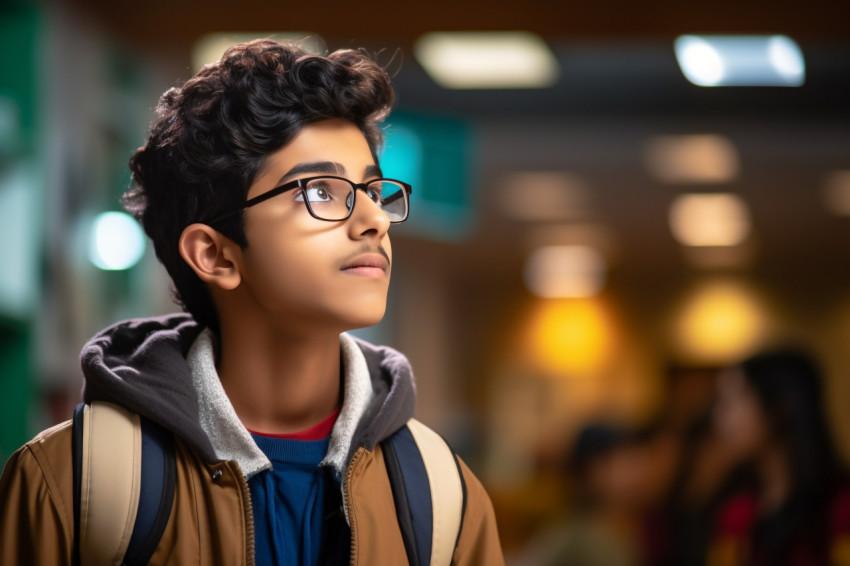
145	365
140	364
232	441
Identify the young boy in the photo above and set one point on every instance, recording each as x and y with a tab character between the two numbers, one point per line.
260	188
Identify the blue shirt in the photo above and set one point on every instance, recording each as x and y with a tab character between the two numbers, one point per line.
288	501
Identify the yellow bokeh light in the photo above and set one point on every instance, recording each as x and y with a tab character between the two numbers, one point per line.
568	337
720	323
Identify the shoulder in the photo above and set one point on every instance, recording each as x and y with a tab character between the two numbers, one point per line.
443	464
36	489
478	538
479	541
46	458
48	451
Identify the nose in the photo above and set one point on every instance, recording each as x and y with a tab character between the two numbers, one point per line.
367	217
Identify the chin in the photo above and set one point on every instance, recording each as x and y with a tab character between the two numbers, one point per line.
365	319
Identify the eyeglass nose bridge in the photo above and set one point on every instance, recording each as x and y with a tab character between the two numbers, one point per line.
403	192
353	196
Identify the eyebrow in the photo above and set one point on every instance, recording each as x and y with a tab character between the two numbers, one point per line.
328	167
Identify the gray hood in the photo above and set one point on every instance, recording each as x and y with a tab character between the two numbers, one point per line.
163	368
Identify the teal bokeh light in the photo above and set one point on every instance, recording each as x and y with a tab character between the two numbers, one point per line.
434	155
116	242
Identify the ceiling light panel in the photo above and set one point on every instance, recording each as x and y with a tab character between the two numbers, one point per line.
544	196
719	219
487	60
565	272
743	60
694	159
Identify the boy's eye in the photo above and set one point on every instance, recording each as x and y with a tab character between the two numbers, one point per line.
318	194
315	193
374	192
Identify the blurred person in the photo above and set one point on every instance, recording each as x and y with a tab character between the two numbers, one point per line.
653	459
685	470
660	447
689	394
601	527
787	501
260	187
682	513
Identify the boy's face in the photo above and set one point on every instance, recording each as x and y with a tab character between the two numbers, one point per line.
301	271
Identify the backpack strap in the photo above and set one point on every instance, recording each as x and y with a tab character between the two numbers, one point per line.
156	495
428	491
124	475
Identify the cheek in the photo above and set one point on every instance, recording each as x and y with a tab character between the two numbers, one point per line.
289	267
274	284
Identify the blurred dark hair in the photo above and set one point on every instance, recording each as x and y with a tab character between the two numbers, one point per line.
594	441
788	384
210	137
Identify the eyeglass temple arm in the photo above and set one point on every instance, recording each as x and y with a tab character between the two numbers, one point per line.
251	202
393	197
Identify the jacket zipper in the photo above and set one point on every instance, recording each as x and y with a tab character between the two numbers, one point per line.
346	490
249	511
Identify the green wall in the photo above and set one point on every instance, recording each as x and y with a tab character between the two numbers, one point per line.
19	34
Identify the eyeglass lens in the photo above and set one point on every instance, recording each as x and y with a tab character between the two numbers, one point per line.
331	199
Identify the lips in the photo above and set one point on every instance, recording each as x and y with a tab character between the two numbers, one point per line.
367	262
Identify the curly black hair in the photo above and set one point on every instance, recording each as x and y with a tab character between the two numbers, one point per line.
210	137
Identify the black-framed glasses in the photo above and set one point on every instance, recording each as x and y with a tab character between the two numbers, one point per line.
332	198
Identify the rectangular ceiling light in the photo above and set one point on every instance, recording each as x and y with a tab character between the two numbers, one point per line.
544	196
487	60
743	60
574	272
692	158
714	219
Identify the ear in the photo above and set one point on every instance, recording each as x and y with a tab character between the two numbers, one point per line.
211	255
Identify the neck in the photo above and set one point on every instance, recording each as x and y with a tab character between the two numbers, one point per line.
279	381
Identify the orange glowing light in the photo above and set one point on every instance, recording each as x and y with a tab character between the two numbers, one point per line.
721	322
570	337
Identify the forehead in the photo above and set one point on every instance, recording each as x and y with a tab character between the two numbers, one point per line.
329	141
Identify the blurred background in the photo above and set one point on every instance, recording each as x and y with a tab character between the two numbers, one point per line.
631	197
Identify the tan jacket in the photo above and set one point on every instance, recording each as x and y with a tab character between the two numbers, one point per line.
211	520
163	369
